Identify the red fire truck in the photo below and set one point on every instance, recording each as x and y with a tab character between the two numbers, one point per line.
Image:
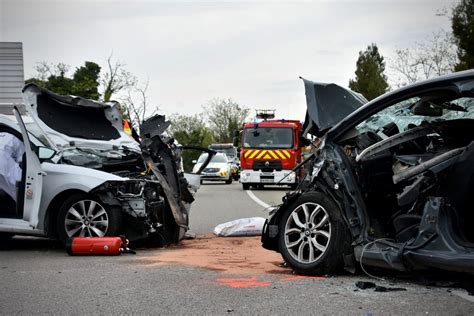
270	150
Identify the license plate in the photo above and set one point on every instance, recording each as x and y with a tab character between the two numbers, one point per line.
266	180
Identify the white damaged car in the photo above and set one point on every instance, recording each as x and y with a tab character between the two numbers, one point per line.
91	178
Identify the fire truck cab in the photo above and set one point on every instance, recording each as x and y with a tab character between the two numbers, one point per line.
270	150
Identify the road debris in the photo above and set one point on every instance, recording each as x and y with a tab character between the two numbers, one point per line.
252	226
363	285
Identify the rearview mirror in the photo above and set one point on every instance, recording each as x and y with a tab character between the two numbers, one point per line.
427	109
235	133
235	141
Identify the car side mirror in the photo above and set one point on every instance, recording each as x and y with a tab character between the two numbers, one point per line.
235	133
235	141
45	153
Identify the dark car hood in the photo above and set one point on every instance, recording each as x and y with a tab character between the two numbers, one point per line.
327	104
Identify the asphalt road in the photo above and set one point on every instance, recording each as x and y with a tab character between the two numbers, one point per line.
38	277
219	203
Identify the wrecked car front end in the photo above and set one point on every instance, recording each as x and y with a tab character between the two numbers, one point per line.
390	186
145	195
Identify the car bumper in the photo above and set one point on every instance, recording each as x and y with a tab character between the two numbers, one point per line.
215	176
275	177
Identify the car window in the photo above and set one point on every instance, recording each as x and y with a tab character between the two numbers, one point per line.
216	158
219	158
402	115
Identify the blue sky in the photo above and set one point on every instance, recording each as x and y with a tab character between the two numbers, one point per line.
193	51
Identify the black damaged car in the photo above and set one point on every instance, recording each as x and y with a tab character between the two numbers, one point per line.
390	183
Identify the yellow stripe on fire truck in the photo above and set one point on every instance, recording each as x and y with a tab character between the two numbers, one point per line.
267	154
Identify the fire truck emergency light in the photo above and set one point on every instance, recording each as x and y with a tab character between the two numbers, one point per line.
265	114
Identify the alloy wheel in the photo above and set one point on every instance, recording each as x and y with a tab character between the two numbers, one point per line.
86	218
307	232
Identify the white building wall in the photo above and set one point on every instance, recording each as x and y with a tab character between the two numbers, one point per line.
12	77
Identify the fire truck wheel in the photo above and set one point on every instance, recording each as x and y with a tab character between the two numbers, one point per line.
245	186
84	216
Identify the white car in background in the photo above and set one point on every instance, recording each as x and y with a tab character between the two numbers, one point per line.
218	169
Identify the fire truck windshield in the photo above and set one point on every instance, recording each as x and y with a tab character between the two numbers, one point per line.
268	137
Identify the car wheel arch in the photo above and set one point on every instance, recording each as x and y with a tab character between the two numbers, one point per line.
52	211
102	218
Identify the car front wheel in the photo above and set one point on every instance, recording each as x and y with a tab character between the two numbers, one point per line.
313	236
84	216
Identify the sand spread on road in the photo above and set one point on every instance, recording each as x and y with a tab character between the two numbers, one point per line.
236	255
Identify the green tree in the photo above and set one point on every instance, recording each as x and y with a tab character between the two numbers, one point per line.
54	77
190	130
86	81
224	117
370	79
462	22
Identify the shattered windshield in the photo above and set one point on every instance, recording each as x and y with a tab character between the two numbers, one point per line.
268	137
402	114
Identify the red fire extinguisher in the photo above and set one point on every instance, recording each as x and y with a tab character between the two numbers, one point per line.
105	246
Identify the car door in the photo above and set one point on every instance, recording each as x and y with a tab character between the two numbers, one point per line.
33	180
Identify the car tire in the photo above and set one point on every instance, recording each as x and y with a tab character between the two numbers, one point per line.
82	216
313	236
245	186
228	181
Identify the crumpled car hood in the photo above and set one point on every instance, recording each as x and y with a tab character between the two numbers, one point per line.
75	121
327	104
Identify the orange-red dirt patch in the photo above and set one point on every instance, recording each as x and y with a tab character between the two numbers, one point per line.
251	282
235	255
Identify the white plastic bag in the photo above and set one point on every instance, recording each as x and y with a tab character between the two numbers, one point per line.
241	227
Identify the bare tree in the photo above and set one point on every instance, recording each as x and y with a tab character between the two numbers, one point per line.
116	78
135	104
435	56
225	116
44	70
